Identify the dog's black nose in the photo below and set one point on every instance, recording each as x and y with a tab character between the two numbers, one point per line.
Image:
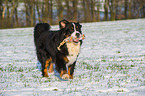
78	35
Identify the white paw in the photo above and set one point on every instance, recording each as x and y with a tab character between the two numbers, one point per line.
65	76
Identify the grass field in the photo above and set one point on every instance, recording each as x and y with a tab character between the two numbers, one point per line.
111	62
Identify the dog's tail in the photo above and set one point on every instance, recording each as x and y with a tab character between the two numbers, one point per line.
40	28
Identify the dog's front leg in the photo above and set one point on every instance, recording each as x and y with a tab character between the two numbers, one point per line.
64	75
61	68
71	70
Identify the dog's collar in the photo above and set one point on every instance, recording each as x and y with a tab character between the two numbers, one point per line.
71	39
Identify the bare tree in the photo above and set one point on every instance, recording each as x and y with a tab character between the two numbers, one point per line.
51	11
86	10
2	11
16	12
75	9
27	12
129	10
45	11
106	6
125	8
68	9
93	15
112	7
60	9
37	4
98	10
141	4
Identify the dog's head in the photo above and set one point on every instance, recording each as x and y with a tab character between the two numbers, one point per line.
71	28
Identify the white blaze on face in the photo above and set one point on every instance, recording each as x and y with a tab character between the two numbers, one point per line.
75	31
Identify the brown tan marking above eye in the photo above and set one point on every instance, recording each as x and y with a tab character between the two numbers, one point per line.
72	27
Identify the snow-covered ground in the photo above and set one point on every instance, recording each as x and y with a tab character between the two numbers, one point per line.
111	62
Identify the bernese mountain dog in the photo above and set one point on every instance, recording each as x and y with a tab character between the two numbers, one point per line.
60	47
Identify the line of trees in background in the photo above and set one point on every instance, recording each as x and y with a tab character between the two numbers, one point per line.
24	13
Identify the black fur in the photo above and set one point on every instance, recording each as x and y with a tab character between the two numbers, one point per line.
47	41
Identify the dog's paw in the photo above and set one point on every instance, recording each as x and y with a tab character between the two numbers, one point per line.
51	71
65	76
45	75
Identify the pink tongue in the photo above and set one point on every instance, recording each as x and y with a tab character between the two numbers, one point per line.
71	39
76	40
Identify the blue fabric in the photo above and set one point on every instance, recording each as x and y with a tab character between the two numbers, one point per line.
39	66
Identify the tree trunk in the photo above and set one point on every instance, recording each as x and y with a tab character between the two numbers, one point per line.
93	3
112	9
46	12
26	13
75	13
98	13
16	13
125	9
144	11
106	17
38	12
68	11
12	12
51	12
129	11
34	15
59	10
8	22
84	11
88	10
1	13
116	11
98	10
31	13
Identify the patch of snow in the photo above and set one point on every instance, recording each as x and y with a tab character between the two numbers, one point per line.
111	62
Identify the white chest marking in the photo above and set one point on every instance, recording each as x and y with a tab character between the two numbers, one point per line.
74	50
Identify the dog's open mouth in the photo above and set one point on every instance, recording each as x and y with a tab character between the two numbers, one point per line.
71	39
75	40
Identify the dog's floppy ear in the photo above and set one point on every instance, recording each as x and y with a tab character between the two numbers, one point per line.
62	23
79	24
